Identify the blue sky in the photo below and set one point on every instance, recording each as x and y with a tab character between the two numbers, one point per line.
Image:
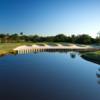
50	17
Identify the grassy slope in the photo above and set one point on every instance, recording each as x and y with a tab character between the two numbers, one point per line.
92	56
7	47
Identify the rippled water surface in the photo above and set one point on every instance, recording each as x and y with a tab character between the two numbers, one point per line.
48	76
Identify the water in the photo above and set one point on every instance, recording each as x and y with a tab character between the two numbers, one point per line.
48	76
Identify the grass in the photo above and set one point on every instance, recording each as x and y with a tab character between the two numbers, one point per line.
52	44
40	44
92	56
66	44
6	48
81	45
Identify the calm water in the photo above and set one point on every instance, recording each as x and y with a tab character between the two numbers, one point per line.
48	76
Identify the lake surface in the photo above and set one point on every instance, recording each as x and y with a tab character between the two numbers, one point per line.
48	76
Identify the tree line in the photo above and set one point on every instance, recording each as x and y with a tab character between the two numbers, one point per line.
81	39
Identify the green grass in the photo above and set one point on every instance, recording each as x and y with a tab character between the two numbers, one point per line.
66	44
52	44
40	44
92	56
98	53
5	48
81	45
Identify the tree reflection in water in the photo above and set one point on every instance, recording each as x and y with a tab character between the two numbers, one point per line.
98	75
98	70
73	55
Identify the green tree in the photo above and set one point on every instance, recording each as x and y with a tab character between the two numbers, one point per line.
84	39
21	33
60	38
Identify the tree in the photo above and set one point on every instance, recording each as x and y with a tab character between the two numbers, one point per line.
2	36
73	38
14	37
60	38
98	34
21	33
84	39
98	37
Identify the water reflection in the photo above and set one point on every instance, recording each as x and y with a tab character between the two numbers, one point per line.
73	55
49	74
46	50
36	51
98	81
98	70
90	60
98	75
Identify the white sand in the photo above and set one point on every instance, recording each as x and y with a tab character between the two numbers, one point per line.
59	46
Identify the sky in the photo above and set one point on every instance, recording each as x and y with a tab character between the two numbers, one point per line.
50	17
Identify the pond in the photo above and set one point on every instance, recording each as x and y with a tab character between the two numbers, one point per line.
48	76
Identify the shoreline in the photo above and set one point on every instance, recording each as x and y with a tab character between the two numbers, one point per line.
92	57
58	46
7	48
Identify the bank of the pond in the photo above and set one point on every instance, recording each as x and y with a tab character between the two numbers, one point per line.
92	56
6	48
